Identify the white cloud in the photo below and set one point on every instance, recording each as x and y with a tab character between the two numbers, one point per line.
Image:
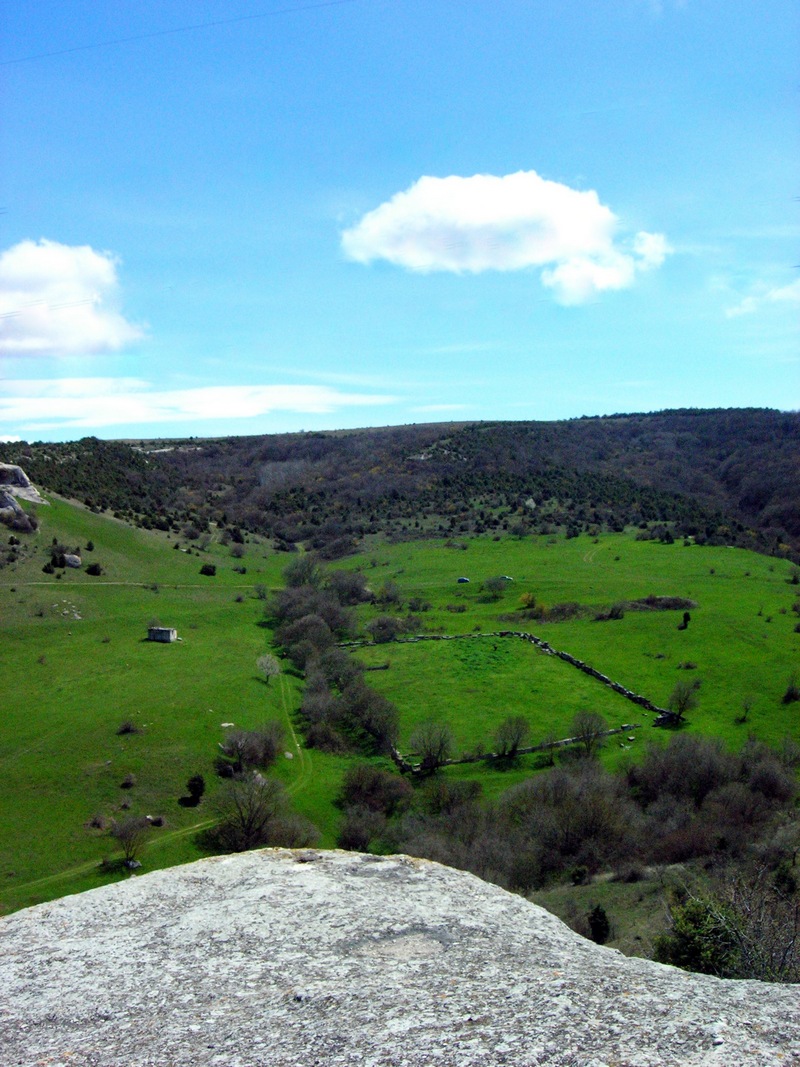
60	300
9	438
513	222
789	294
651	248
103	402
784	294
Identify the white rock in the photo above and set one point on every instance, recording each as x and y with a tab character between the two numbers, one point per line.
283	957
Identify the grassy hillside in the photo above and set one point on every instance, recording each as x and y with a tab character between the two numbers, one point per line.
741	637
77	666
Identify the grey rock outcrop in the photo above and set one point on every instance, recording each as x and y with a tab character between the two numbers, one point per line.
15	482
279	957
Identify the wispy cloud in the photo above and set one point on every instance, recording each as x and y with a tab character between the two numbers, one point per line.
60	300
461	349
440	407
657	6
506	223
763	295
384	380
102	402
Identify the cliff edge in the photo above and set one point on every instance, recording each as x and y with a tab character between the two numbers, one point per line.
284	957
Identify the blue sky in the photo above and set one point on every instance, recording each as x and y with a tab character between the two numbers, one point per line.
256	216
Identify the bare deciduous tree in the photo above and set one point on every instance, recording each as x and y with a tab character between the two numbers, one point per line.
510	735
130	833
433	743
253	812
587	729
683	697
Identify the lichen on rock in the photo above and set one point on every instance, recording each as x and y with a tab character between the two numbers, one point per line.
281	957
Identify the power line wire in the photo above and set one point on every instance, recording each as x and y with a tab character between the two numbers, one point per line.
176	29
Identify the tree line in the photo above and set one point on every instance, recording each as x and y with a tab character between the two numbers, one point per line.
720	477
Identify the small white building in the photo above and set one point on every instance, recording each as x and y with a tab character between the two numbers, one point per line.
162	633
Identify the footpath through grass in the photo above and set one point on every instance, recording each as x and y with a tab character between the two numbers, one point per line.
77	665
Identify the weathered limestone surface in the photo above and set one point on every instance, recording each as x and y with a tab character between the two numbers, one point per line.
15	482
330	958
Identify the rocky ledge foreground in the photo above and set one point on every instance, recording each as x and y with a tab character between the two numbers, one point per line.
306	957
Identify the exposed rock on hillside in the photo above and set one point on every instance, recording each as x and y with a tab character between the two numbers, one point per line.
282	957
15	482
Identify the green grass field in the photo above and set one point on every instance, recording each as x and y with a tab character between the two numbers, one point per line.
741	635
76	666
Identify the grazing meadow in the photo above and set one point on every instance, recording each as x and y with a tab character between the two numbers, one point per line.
99	722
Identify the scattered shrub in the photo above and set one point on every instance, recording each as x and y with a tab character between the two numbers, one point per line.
361	825
384	628
792	692
130	834
195	787
208	569
350	587
599	925
616	611
243	750
416	603
368	787
254	812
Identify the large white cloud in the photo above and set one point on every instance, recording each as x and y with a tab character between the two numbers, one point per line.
58	299
100	402
487	222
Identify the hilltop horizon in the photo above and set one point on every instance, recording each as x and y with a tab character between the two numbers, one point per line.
421	423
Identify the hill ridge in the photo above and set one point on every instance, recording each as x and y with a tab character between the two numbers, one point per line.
726	476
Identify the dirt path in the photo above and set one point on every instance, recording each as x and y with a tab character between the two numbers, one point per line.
304	765
85	868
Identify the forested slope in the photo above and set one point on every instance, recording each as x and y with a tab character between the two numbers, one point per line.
726	476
